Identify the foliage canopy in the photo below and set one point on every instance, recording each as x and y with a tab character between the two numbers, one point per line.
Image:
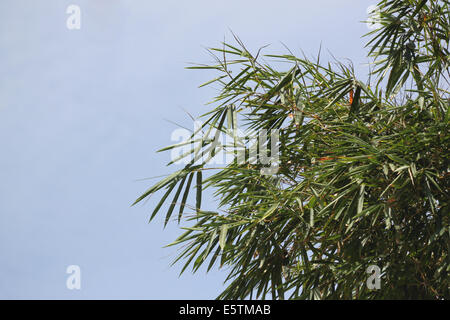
363	174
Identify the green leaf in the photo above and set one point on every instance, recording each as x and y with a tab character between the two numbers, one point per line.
199	191
223	236
185	196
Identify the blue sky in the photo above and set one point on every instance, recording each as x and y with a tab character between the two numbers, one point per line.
82	113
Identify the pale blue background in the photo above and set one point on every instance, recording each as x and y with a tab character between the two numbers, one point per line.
82	113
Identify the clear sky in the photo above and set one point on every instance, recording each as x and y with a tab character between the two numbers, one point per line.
82	113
